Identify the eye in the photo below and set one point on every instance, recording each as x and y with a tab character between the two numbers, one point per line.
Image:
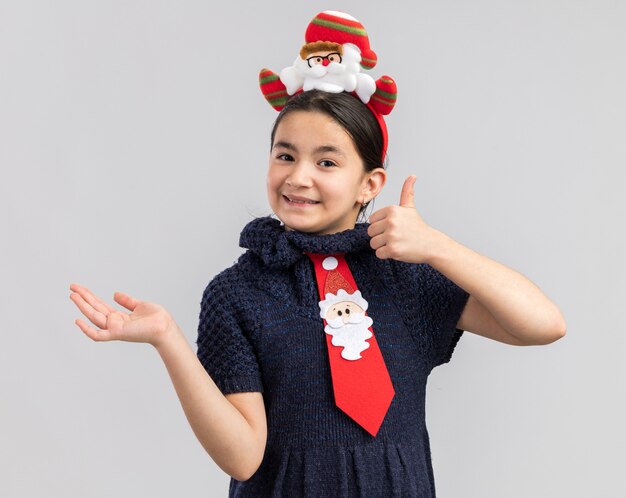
328	162
285	157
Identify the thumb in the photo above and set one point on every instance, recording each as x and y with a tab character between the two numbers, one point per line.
406	196
129	302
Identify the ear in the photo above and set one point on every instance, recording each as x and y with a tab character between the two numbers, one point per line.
373	184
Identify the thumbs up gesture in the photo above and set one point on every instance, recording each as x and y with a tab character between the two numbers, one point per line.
399	232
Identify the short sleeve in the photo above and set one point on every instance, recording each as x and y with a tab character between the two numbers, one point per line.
224	347
441	303
432	305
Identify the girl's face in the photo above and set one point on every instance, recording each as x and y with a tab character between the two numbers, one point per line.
316	181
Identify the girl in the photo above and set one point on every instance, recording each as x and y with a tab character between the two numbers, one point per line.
259	393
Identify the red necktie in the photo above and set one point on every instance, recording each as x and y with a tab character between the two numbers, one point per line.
361	382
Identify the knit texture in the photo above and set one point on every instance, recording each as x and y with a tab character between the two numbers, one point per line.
260	330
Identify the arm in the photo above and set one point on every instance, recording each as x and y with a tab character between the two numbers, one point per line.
503	304
232	429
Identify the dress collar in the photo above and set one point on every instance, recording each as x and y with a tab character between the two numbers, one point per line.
280	248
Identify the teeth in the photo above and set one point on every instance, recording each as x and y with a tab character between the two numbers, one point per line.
302	202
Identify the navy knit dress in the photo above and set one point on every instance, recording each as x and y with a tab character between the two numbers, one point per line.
260	330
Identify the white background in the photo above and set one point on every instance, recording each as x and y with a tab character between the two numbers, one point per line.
133	149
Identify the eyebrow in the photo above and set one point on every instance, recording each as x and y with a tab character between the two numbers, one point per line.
321	148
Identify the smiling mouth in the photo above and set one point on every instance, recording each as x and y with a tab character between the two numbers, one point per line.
299	202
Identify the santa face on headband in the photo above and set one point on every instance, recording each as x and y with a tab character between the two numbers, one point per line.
336	50
330	67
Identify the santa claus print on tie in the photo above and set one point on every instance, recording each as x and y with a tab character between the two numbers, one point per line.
344	312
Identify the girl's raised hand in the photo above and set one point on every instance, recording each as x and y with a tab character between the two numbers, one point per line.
147	322
399	232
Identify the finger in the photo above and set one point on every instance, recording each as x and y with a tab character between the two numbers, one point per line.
382	252
97	303
129	302
378	242
97	317
406	196
376	228
378	215
95	334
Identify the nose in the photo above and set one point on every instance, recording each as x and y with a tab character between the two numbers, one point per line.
299	175
325	62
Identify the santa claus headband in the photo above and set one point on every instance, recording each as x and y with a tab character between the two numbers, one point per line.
336	48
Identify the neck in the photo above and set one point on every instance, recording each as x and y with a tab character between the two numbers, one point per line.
350	227
289	229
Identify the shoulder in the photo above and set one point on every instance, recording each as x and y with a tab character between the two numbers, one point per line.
398	273
418	282
228	307
230	280
421	274
233	291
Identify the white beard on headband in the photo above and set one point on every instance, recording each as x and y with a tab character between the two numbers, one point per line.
336	77
352	335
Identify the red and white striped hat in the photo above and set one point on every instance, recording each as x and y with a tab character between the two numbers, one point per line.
340	27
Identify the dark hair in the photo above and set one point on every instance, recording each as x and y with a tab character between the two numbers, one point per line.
351	114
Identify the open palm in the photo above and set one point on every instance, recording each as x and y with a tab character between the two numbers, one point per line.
146	322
